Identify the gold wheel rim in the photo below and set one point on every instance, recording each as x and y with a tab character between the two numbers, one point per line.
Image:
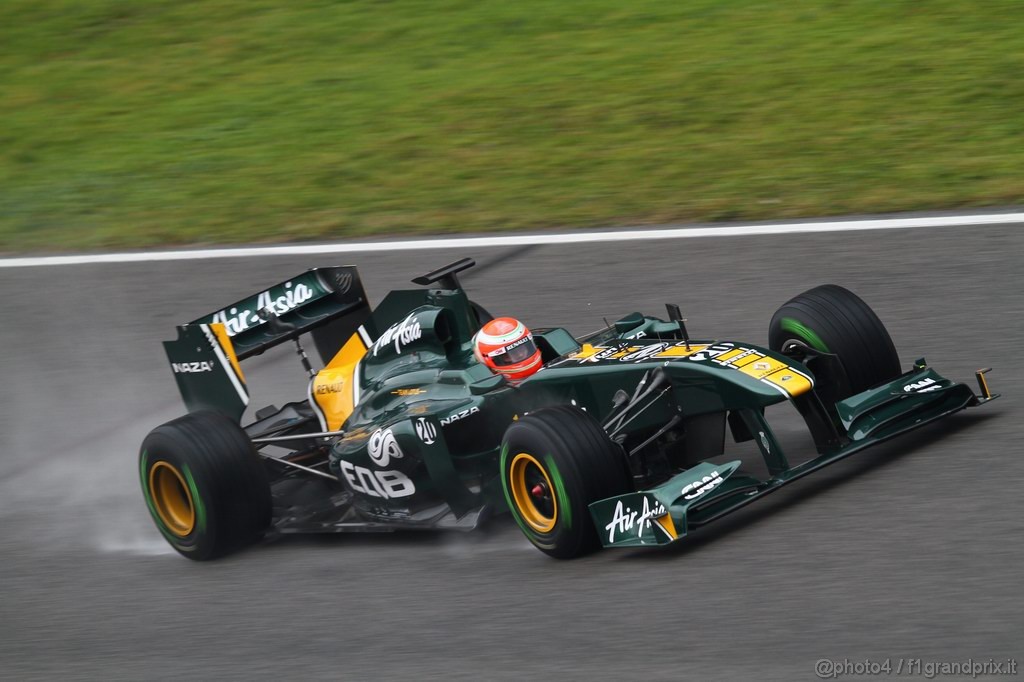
523	476
172	499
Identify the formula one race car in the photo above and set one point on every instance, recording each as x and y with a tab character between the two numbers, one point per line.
613	442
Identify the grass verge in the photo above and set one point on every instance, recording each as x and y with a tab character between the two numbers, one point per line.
129	123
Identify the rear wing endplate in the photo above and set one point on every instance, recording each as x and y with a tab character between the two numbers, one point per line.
207	371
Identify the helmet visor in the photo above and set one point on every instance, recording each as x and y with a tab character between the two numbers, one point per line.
515	355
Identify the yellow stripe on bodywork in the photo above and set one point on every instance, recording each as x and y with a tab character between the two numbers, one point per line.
586	352
221	333
749	358
333	388
618	355
762	368
789	380
725	357
680	351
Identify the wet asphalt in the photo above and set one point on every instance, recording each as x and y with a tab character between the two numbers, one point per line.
911	550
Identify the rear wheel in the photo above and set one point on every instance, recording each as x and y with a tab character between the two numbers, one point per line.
831	319
554	463
204	485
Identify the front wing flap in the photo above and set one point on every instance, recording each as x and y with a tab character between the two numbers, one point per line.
917	397
658	516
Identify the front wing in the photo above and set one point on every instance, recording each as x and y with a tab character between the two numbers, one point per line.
708	491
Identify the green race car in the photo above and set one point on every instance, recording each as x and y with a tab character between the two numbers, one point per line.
616	441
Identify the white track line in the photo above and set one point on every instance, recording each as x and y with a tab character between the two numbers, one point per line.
579	237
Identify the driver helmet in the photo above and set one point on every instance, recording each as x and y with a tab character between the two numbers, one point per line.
506	346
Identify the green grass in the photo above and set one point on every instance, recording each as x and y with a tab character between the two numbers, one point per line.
142	122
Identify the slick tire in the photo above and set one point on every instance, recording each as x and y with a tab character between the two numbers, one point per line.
831	319
204	485
554	463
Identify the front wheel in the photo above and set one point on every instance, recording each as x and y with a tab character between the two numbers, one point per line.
834	320
554	463
204	485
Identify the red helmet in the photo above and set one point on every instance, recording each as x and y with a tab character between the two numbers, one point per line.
506	346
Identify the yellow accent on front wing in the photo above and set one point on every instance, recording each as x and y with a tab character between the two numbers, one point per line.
983	384
333	387
666	523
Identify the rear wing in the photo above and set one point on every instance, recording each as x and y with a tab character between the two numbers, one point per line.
330	303
326	300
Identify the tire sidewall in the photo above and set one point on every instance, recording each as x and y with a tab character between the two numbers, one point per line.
201	543
834	320
563	456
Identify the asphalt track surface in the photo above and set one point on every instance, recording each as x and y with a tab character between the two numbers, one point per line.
910	550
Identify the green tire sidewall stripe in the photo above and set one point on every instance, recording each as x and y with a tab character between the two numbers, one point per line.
796	327
563	499
196	499
143	461
508	496
563	496
200	511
